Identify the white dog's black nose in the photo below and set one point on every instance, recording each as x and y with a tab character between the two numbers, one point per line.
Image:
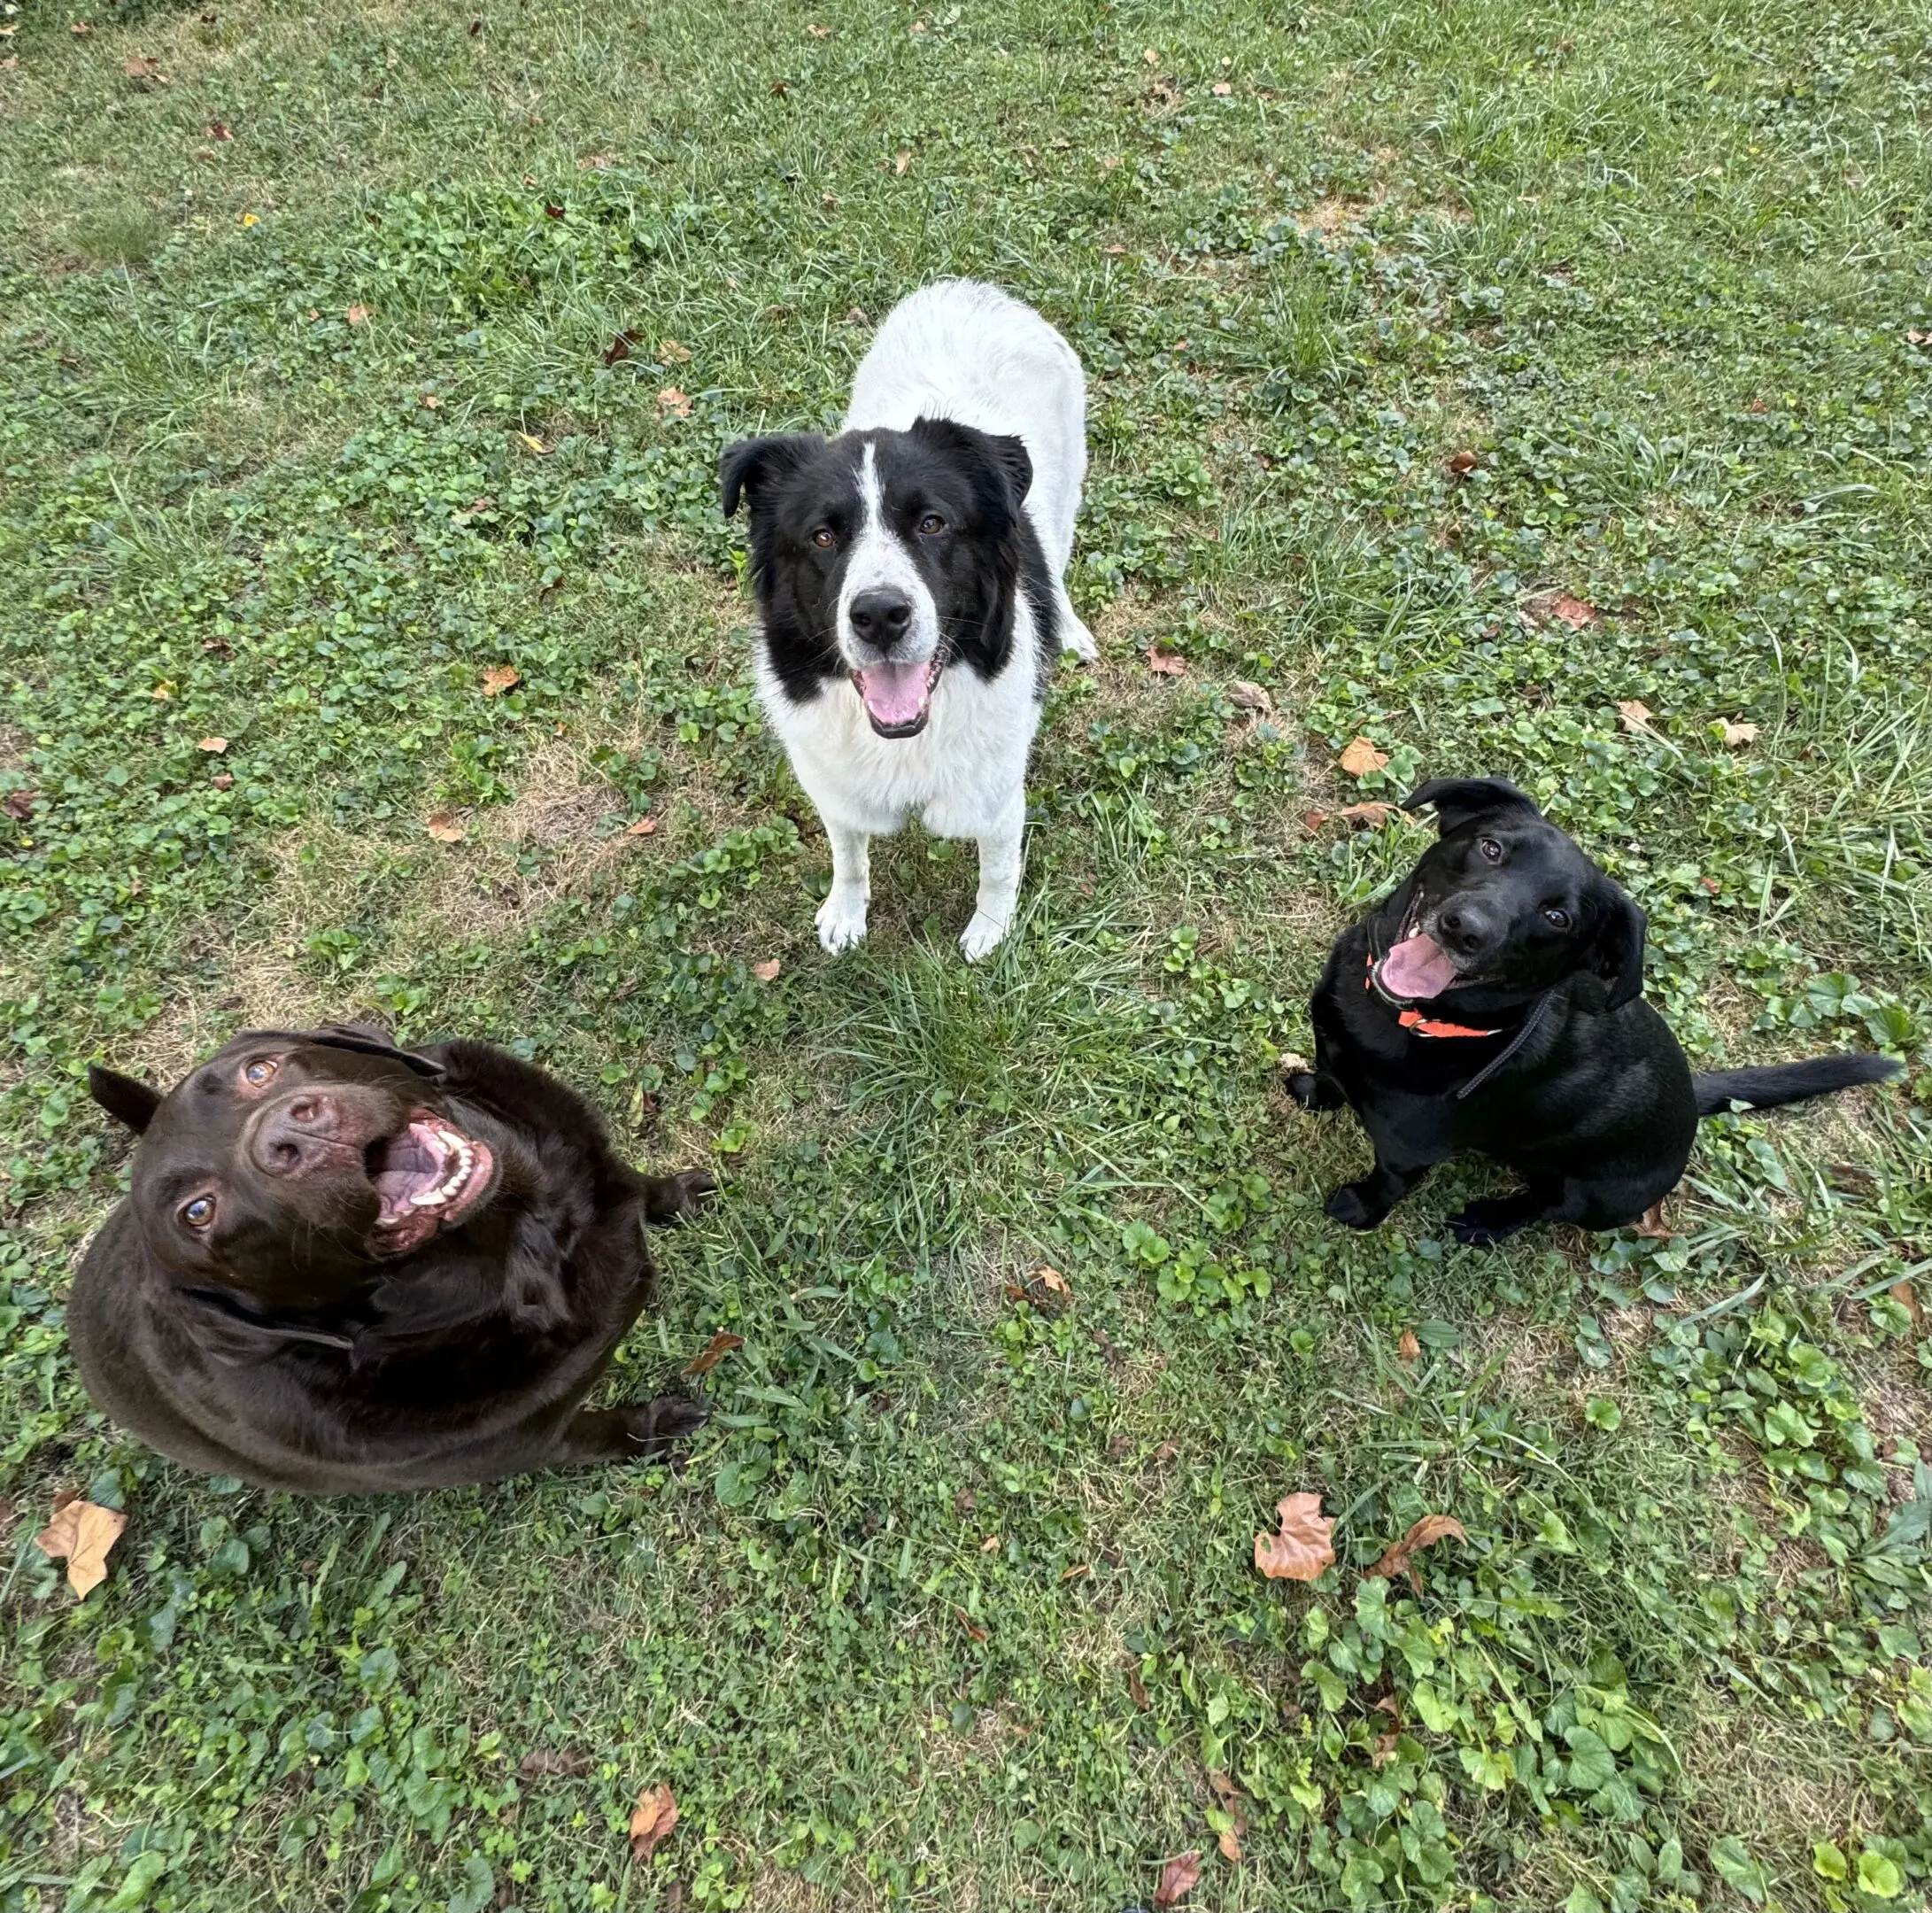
880	617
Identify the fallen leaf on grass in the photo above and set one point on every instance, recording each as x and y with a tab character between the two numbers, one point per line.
646	826
164	690
1221	89
1400	1559
544	1763
1635	717
1302	1551
1408	1348
1178	1878
674	351
552	211
1165	664
429	401
818	33
531	443
500	678
651	1821
1907	1297
1252	697
1365	816
597	162
226	781
1654	1225
1051	1278
972	1626
145	66
675	402
1852	1178
214	744
765	972
1231	1799
18	805
856	315
79	29
619	348
81	1534
1575	612
1462	463
1736	735
356	314
720	1345
1077	1571
989	1545
1137	1688
444	826
1361	757
1313	820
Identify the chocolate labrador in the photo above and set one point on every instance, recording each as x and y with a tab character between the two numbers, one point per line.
1495	1002
346	1268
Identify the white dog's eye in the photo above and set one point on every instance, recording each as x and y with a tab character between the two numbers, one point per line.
1492	851
932	523
825	538
1557	919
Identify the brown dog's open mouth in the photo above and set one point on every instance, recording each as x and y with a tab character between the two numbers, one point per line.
429	1175
898	698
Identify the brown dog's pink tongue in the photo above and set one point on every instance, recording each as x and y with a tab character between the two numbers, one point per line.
1418	968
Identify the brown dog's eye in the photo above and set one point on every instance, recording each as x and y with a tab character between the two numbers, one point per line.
262	1070
198	1213
932	523
1557	919
1492	851
825	538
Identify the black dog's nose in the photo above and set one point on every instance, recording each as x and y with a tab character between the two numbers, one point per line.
880	617
1463	928
297	1134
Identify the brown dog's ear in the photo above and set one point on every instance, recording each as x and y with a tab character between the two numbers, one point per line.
122	1097
1457	800
751	464
1616	952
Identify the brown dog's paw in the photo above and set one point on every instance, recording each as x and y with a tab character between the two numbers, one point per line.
650	1426
671	1198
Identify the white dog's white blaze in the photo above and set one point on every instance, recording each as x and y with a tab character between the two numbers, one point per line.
897	688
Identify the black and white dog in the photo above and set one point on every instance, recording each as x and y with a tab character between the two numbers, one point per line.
910	576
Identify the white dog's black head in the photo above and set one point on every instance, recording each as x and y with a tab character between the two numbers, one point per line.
887	557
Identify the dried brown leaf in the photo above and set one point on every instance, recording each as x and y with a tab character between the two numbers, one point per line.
720	1345
1302	1551
1575	612
1251	697
1462	463
214	745
1366	816
1137	1688
1907	1298
597	162
1051	1278
356	314
1221	89
1635	717
818	33
674	351
619	348
972	1626
675	404
651	1821
225	781
1737	735
446	826
1077	1572
1231	1801
546	1764
1400	1559
18	804
1313	820
83	1534
646	826
768	970
1408	1349
1165	664
79	29
902	159
1852	1178
1361	757
1178	1878
1655	1224
500	678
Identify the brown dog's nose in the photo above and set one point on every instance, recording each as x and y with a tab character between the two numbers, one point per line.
297	1134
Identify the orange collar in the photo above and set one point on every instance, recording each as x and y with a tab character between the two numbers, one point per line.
1414	1019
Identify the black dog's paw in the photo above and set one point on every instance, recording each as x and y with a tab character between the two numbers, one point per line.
1481	1225
1305	1086
1345	1206
671	1198
650	1426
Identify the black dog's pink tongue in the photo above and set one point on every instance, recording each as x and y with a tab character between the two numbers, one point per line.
1416	968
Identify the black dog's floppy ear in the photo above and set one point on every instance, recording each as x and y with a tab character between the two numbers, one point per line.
754	463
1616	951
363	1039
1000	451
122	1097
1456	799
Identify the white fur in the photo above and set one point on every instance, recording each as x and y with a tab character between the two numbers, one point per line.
878	561
963	351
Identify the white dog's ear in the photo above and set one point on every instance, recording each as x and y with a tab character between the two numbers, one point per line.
751	465
997	452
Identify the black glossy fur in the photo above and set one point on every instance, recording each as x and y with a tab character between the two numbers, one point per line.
975	480
275	1344
1598	1109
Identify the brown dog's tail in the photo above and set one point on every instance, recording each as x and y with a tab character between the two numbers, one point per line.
1788	1082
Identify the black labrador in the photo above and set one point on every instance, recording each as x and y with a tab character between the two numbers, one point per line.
346	1268
1495	1002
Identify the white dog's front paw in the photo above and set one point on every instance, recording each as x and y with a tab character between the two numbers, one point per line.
983	935
1076	638
841	920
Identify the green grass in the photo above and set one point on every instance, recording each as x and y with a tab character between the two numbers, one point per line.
953	1606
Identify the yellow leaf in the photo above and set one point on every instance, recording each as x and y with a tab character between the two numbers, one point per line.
531	443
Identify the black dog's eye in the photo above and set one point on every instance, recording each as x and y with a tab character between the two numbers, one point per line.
198	1213
932	523
1557	919
262	1070
825	538
1492	851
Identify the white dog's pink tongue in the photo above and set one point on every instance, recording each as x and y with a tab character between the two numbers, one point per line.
1418	968
895	693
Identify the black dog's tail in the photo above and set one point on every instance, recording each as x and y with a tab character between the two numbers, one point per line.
1788	1082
